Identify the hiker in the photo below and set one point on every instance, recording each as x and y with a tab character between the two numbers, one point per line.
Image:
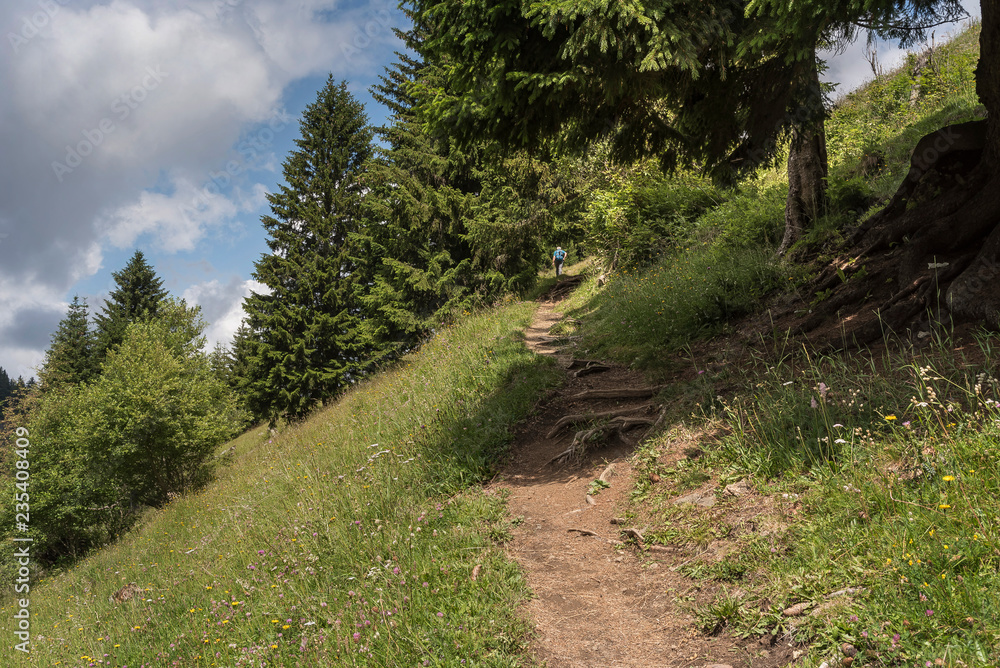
557	259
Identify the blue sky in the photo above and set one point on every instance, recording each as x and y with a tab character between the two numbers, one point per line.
161	125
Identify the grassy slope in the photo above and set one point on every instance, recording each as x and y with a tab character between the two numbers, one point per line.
347	540
884	468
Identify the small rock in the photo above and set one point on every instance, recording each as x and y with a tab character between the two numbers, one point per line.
796	653
797	609
740	488
824	665
847	661
703	499
718	665
848	649
618	520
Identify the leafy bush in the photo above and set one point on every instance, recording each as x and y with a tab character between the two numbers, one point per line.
144	430
752	216
154	417
644	214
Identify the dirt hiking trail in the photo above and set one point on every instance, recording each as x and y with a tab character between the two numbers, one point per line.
598	600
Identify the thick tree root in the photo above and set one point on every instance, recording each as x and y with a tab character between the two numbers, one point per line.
591	368
933	252
587	417
637	393
616	426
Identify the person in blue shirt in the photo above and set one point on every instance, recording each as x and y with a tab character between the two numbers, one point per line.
557	259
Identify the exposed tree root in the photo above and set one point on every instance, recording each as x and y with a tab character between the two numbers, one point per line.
933	252
637	393
578	363
591	368
587	417
579	444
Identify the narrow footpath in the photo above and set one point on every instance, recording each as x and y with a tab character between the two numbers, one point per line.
598	600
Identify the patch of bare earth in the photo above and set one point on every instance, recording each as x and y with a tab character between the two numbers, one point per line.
600	600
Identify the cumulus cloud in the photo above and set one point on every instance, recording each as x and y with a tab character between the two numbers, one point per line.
180	220
222	306
120	117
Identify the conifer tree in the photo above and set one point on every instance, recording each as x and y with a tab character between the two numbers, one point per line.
243	352
70	358
6	386
422	193
307	329
137	296
718	83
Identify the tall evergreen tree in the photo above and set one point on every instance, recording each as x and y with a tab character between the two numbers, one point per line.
6	386
308	328
422	193
70	358
137	296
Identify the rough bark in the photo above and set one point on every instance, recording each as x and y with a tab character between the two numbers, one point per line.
807	163
976	226
940	233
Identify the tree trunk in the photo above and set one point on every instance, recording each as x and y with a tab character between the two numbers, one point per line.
974	295
807	164
988	78
935	248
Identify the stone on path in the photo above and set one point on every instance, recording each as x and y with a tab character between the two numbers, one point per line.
703	499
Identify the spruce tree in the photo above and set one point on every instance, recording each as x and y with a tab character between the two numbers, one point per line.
716	83
137	296
70	358
6	386
308	336
422	192
243	351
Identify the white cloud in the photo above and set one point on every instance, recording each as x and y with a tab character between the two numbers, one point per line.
177	222
116	114
850	68
222	306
